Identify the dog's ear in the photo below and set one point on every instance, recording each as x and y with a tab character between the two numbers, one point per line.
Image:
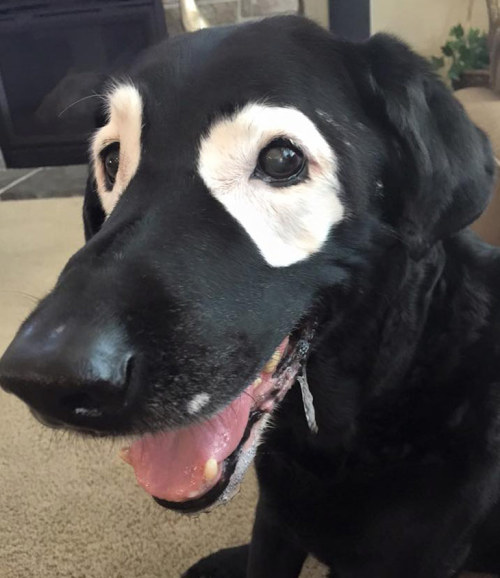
93	213
441	170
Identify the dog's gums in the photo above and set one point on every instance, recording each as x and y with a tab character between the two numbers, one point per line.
195	467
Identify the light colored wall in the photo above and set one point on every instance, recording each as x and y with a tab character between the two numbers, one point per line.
317	10
425	23
229	11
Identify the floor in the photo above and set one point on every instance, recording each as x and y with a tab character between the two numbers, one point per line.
42	182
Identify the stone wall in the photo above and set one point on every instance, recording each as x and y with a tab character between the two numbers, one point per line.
228	11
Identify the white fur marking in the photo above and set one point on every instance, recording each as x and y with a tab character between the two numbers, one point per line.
287	224
198	402
124	126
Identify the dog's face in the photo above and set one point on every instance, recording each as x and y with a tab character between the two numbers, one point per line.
240	174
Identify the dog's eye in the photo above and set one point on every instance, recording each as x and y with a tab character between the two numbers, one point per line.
281	163
110	157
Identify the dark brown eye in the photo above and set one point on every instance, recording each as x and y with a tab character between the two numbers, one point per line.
281	163
110	157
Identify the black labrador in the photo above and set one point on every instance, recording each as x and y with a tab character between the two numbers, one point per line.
275	211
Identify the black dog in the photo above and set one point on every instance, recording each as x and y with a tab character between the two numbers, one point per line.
263	200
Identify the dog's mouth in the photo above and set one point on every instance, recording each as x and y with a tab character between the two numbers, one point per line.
195	468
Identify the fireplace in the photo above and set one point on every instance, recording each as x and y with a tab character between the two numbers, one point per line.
350	19
54	57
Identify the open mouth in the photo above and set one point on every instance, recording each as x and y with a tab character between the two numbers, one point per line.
195	468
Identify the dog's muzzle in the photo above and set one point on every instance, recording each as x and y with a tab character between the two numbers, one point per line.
84	376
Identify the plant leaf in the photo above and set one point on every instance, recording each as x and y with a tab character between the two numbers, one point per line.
447	50
436	62
467	50
455	71
457	31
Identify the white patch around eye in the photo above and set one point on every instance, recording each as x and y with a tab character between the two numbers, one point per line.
287	224
124	126
198	402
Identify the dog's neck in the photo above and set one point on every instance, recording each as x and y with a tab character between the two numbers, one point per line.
391	330
383	315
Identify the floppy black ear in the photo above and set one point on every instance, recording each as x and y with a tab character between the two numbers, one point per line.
93	213
440	175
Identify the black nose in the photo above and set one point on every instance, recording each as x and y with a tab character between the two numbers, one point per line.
70	372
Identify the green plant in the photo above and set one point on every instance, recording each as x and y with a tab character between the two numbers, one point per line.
463	51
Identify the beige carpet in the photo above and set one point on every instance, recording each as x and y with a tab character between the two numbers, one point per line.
70	508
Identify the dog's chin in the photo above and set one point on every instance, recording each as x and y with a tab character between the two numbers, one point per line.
199	467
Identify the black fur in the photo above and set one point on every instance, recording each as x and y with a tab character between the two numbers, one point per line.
403	478
93	213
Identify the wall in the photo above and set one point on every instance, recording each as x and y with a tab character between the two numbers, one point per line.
425	23
422	23
229	11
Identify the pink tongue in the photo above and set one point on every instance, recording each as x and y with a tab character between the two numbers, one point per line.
171	465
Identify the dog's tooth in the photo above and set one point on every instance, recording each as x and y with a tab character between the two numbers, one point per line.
124	454
211	469
256	383
272	364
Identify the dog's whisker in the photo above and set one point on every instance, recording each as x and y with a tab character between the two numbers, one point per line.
29	296
78	102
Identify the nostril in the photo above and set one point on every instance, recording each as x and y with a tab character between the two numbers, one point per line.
82	404
101	397
130	364
129	368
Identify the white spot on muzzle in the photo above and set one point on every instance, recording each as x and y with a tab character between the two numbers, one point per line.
198	402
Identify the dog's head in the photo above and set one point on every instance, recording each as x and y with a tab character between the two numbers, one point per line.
241	173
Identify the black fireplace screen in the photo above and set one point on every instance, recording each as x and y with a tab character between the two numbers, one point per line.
54	56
